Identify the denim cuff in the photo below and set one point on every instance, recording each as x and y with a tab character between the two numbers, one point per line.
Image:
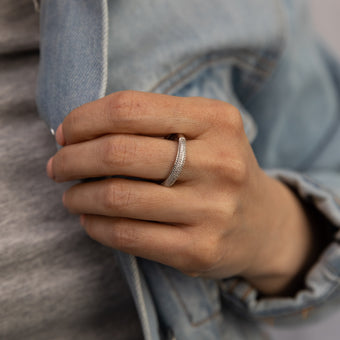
323	279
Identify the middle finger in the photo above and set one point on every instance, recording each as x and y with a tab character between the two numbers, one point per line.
126	155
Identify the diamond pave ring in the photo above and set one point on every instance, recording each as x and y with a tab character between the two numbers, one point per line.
179	161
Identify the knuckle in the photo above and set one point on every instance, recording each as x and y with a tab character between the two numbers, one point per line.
218	111
235	119
227	168
119	151
217	167
116	197
217	210
229	117
121	106
122	99
237	170
122	237
205	255
109	197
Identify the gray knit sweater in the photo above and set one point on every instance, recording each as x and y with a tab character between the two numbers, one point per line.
55	282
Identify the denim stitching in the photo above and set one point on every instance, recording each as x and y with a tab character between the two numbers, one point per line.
270	58
199	63
255	84
200	68
105	44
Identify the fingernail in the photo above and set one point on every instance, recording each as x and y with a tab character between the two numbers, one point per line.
82	220
59	136
64	198
49	169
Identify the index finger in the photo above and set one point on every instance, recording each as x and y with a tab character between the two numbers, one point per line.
134	112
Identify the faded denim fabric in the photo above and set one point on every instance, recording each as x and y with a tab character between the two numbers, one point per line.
259	55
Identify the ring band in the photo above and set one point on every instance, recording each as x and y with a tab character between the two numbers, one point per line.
179	161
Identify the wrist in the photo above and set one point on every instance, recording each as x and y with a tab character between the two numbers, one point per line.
290	246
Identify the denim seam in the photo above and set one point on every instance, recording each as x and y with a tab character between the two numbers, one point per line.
197	64
105	43
266	57
202	67
275	57
140	298
271	65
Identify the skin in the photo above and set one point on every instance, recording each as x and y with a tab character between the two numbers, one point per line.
223	217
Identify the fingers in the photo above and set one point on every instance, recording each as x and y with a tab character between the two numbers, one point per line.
134	199
154	241
126	155
180	247
135	112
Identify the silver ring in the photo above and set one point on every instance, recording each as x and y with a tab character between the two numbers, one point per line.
179	161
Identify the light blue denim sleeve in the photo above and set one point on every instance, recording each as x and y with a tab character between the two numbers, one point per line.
315	179
323	280
321	293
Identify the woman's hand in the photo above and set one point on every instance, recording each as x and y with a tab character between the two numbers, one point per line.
223	217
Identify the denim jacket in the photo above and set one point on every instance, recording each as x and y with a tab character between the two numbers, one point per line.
259	55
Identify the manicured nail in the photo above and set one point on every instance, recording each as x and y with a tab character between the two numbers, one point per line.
49	169
59	136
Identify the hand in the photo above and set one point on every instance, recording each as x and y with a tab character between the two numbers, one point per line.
223	217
